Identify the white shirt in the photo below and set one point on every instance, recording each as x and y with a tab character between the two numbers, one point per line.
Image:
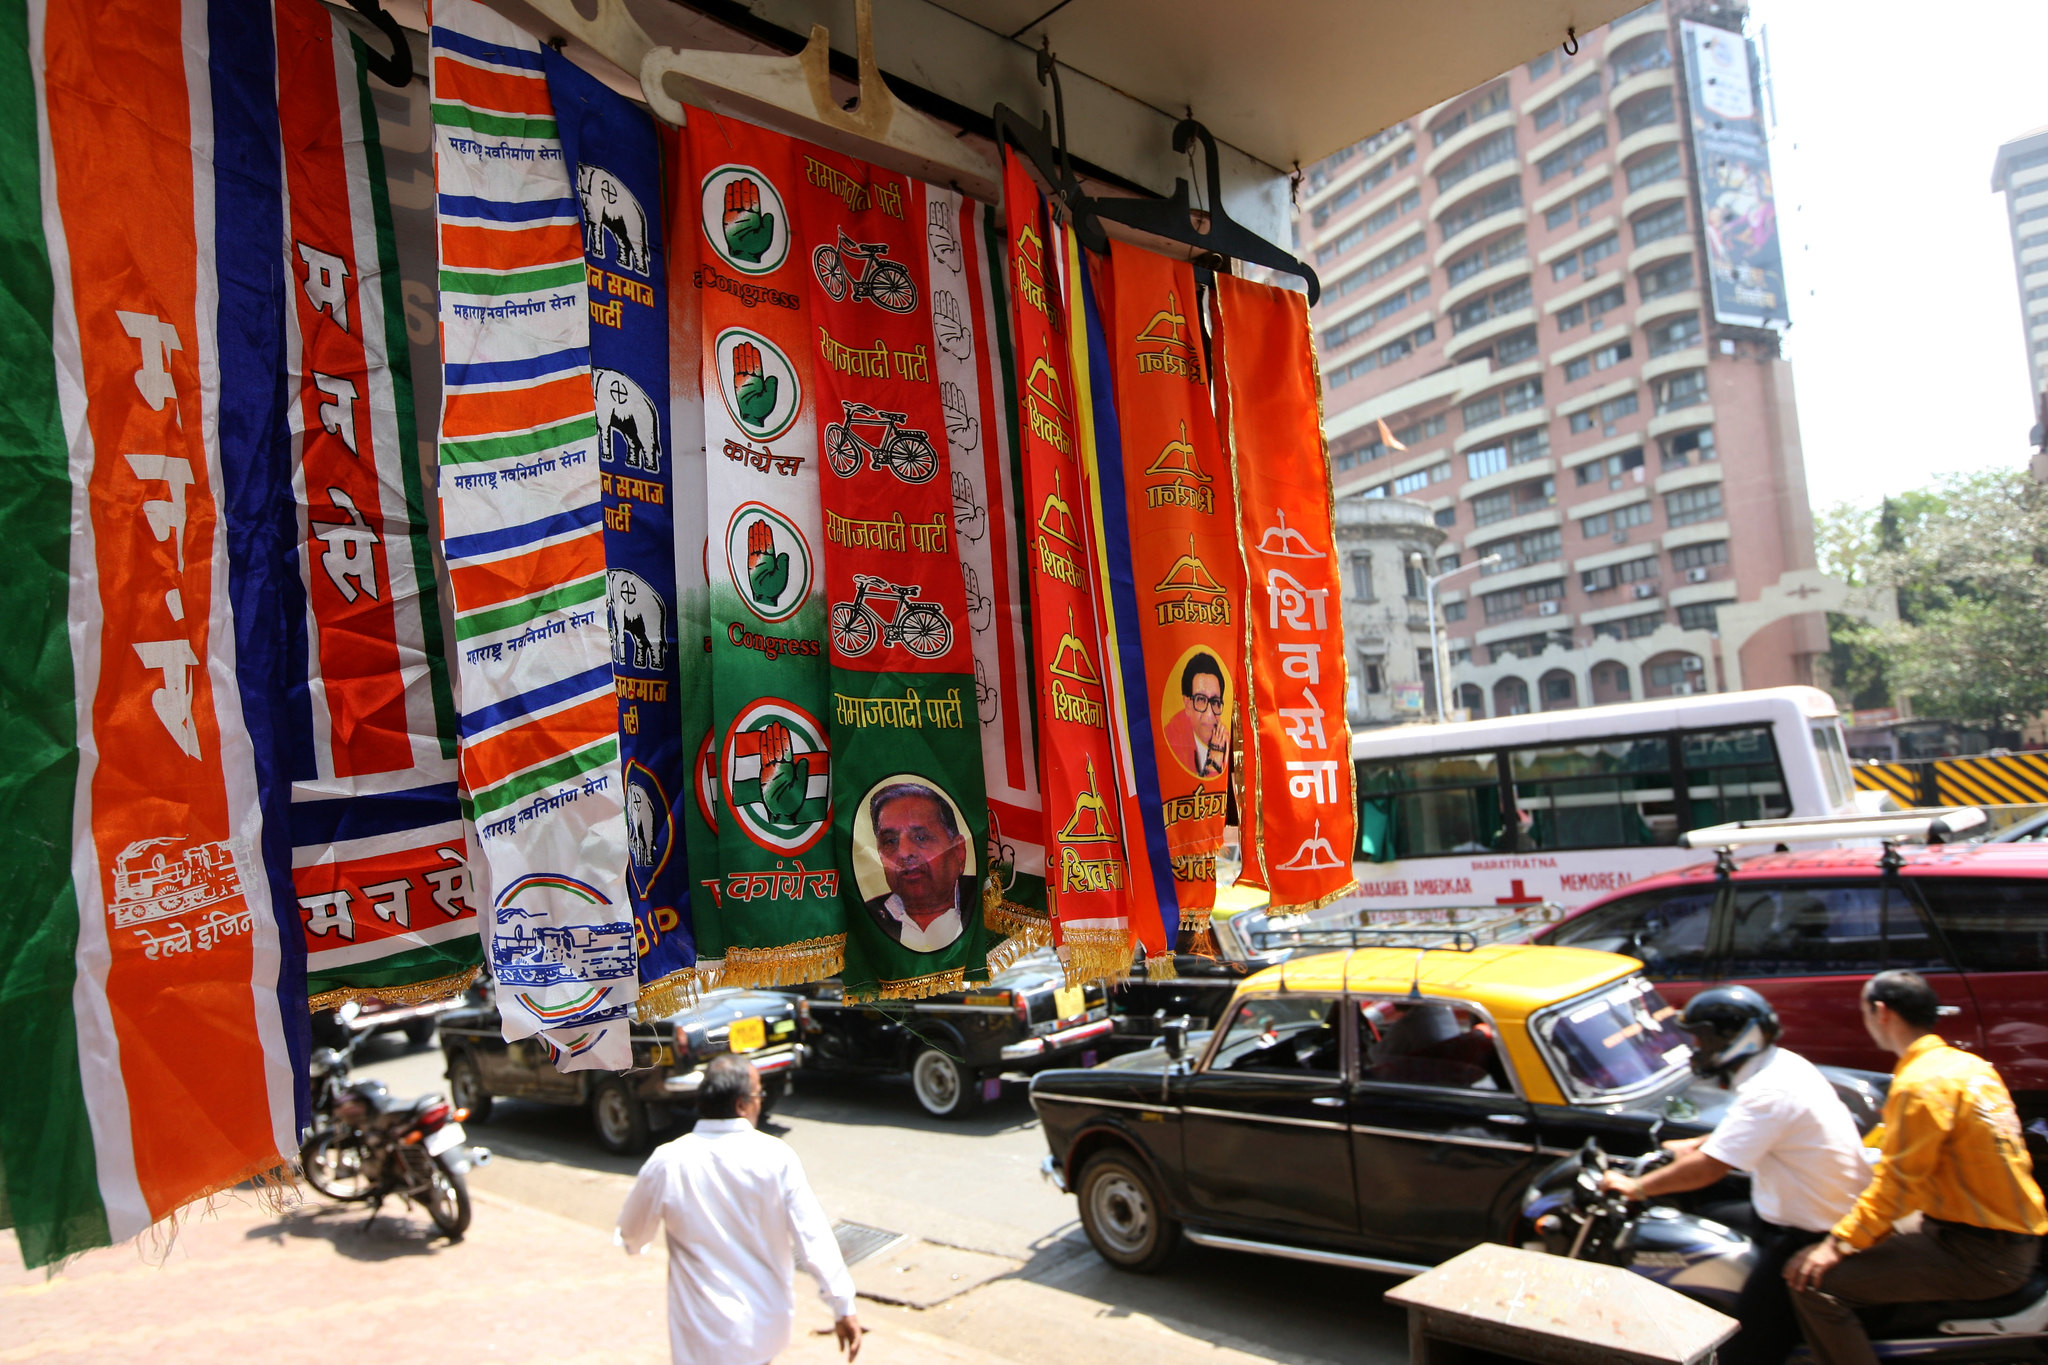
940	933
739	1216
1789	1129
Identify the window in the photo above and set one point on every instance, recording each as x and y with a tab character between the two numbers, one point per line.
2032	215
1540	68
1650	53
1492	102
1518	552
1361	577
1730	774
1378	266
1808	929
1654	169
1485	460
1605	523
1699	556
1383	218
1487	152
1422	478
1606	415
1624	1040
1647	112
1992	925
1586	258
1668	278
1665	930
1507	247
1358	324
1374	676
1569	107
1606	358
1668	221
1501	301
1683	390
1613	794
1427	1042
1580	205
1606	301
1447	517
1398	349
1610	469
2038	239
1629	627
1571	158
1675	335
1610	576
1505	606
1295	1035
1686	447
1690	505
1365	184
1515	347
1511	695
1417	575
1419	807
1502	198
1698	616
1454	611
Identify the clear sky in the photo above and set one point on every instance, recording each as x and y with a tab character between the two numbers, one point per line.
1906	340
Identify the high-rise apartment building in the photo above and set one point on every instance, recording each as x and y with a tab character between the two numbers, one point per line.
2021	174
1543	322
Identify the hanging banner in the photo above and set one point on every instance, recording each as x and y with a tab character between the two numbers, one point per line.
378	858
779	903
1182	521
614	161
1731	158
1086	876
523	524
971	330
1299	816
911	819
1154	909
151	960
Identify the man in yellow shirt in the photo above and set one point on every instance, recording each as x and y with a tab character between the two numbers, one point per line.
1954	1153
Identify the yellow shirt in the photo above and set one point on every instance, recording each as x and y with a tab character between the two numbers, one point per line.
1953	1150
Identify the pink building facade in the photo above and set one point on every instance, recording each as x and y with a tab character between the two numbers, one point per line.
1514	290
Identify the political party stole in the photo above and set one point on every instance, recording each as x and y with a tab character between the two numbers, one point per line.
779	901
971	329
1182	520
1084	842
697	816
911	813
522	518
1300	814
378	859
614	161
151	963
1154	908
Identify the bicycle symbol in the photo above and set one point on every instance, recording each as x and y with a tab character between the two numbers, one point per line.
919	627
904	451
886	284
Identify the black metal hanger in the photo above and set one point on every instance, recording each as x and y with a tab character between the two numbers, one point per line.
396	69
1049	157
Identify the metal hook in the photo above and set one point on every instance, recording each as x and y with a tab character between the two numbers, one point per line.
1571	42
394	70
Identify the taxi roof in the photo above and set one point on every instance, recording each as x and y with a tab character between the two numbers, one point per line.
1970	860
1510	979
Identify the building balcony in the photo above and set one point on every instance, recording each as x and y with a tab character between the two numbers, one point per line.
1692	358
1692	476
1521	623
1601	450
1338	181
1721	591
1624	555
1650	196
1648	19
1684	419
1595	397
1483	282
1699	533
1329	317
1501	427
1621	611
1594	230
1606	336
1479	230
1635	144
1469	340
1684	301
1478	183
1550	199
1595	506
1468	136
1540	468
1664	249
1598	284
1662	78
1514	526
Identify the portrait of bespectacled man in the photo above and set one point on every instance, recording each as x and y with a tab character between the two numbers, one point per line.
914	863
1197	709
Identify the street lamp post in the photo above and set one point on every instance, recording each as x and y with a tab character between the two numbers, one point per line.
1436	641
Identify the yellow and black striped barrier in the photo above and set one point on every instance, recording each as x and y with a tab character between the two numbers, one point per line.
1986	780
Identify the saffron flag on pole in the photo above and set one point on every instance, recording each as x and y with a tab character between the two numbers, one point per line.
153	989
1297	810
378	859
522	523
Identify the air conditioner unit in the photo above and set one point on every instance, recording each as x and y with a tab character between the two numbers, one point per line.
1620	537
1646	590
1681	689
1546	608
1692	663
1695	575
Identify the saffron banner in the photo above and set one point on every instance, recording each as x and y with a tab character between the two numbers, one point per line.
1300	815
522	521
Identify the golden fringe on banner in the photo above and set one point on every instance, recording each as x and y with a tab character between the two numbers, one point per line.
1349	888
272	1183
1204	944
672	994
793	964
1090	953
419	993
924	987
1161	968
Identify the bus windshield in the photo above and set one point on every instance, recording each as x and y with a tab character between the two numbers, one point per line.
1618	1041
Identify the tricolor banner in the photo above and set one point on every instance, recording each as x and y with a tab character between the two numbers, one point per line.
151	964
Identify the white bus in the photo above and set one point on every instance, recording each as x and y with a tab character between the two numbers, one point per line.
1565	806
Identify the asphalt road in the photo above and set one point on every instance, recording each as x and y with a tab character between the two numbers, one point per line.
969	1198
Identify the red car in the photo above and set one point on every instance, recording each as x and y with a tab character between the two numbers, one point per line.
1808	928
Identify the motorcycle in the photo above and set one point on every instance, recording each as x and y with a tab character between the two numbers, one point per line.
1567	1212
365	1146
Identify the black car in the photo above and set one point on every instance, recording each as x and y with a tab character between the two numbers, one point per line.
1142	1005
958	1046
669	1056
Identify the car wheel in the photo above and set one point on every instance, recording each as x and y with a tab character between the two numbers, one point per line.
621	1119
466	1085
944	1087
418	1031
1124	1215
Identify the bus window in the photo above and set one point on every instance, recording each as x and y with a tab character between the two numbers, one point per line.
1422	807
1734	775
1835	772
1605	794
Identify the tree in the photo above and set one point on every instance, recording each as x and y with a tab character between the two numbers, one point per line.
1969	559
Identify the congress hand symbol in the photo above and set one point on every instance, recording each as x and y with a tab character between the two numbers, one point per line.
945	241
952	333
753	391
785	782
748	231
767	568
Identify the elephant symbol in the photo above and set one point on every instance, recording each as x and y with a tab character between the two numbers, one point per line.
637	619
641	818
608	206
623	410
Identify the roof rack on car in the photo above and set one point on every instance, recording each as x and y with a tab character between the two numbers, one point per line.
1928	825
1433	938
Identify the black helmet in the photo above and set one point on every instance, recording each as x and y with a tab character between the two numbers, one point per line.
1729	1025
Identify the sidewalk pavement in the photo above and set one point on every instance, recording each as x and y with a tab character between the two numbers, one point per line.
317	1285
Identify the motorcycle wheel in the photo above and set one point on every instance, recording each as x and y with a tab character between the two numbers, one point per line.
466	1081
889	285
447	1199
337	1164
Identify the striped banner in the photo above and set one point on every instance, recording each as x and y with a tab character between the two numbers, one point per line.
1981	780
522	520
378	858
153	993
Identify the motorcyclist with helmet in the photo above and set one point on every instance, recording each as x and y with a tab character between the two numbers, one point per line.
1789	1130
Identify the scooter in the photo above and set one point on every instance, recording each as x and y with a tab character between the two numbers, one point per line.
1568	1213
366	1146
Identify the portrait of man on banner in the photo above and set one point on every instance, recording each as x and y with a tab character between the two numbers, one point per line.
1196	704
915	863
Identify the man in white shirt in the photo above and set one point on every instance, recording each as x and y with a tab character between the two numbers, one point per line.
739	1216
1789	1129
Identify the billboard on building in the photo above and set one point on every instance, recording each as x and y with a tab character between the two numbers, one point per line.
1745	267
